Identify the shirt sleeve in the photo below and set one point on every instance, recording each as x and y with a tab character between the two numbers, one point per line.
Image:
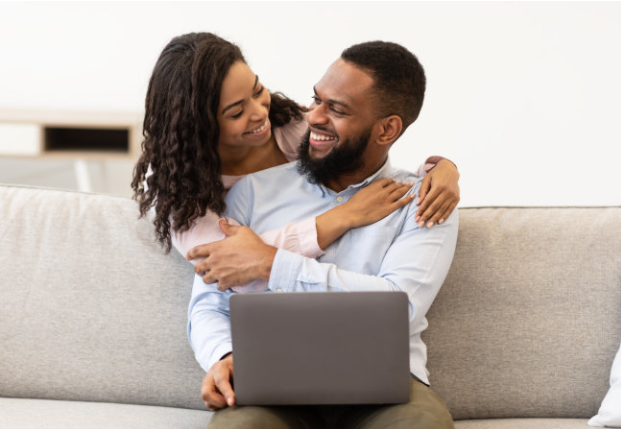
417	263
209	326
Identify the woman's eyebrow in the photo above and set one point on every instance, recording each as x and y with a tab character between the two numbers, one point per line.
230	106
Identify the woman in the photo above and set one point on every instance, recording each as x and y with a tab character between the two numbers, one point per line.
205	129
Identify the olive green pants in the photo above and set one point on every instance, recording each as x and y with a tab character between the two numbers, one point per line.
424	411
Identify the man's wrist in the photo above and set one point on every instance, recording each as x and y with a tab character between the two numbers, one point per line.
266	263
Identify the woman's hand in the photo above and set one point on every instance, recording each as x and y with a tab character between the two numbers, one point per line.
376	201
438	195
367	206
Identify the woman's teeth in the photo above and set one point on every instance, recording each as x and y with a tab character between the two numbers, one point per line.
261	128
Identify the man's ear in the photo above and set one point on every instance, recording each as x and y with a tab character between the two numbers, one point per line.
389	129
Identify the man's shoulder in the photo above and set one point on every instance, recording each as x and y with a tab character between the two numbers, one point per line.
403	175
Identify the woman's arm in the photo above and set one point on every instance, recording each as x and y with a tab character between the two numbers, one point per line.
309	237
439	192
365	207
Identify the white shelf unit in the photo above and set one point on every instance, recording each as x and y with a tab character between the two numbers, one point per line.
73	135
92	142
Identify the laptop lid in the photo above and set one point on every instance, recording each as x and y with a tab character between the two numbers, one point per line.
320	348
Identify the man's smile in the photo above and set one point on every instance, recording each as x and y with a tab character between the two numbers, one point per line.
322	141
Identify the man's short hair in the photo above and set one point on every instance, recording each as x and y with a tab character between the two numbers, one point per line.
398	75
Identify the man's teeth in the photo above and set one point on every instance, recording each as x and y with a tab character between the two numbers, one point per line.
321	137
261	128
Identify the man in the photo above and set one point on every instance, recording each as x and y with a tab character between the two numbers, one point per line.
363	103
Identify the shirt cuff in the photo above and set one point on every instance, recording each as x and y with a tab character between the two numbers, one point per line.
283	275
219	352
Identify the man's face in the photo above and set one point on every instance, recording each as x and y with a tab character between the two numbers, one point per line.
342	108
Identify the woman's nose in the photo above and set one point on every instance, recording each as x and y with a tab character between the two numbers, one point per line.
258	110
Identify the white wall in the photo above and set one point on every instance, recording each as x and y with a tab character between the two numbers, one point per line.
524	97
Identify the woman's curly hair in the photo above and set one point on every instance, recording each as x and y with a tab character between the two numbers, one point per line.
179	170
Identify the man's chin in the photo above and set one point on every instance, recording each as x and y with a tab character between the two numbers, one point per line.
318	154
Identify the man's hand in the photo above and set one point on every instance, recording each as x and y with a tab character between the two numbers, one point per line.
438	195
216	390
240	258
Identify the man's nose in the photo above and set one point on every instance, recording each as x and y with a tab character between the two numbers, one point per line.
317	115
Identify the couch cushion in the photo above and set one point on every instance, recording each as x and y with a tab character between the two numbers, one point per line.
37	414
91	308
527	323
609	413
522	424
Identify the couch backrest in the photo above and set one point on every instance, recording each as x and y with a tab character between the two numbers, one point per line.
529	318
91	308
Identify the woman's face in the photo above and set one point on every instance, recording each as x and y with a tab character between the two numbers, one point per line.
243	110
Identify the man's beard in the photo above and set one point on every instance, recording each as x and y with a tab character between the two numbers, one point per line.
345	158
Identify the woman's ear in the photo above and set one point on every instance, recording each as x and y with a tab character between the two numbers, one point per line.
390	129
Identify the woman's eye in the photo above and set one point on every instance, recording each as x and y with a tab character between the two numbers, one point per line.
237	115
259	92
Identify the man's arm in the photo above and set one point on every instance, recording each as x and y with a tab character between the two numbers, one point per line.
209	328
209	333
417	263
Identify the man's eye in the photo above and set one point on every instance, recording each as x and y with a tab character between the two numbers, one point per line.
316	99
337	111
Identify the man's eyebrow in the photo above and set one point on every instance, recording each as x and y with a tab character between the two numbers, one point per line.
230	106
332	100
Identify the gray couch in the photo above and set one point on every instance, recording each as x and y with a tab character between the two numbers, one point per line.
93	317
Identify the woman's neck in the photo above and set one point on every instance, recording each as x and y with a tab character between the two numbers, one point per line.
239	161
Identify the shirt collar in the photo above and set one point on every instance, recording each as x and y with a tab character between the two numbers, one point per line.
385	170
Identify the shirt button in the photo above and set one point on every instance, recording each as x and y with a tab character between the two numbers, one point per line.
339	199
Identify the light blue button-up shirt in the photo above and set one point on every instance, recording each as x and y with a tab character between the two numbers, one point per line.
393	254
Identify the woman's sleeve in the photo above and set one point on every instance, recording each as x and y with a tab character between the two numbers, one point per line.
431	162
204	230
299	237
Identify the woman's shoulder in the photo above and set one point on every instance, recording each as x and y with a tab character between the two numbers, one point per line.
289	136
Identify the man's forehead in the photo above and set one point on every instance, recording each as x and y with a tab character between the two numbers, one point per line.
344	80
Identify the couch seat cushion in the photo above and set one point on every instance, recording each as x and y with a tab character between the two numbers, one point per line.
39	413
522	424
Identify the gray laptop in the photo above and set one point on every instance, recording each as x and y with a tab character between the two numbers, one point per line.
320	348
